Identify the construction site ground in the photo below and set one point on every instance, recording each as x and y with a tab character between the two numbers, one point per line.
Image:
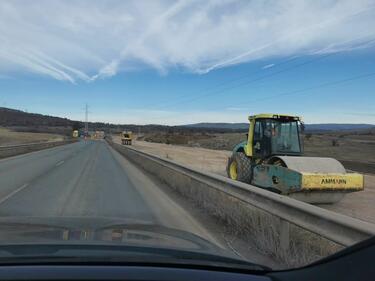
358	205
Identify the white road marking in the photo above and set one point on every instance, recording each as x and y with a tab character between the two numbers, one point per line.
2	200
59	163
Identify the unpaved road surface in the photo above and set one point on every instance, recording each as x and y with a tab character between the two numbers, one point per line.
358	205
201	158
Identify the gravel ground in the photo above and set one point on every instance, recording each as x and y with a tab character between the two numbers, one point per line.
359	205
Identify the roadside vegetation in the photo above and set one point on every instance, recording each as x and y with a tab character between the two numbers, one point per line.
10	137
355	149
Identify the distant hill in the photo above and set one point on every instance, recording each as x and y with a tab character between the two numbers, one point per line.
230	126
13	117
25	121
308	127
338	127
19	120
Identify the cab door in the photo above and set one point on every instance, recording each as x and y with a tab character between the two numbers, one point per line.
262	138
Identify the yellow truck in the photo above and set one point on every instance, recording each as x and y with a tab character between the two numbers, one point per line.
126	137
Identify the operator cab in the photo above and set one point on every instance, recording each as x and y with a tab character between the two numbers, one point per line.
276	135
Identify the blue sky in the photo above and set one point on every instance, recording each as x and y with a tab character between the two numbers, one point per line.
178	62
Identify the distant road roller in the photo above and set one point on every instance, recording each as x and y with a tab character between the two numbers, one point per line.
126	137
271	158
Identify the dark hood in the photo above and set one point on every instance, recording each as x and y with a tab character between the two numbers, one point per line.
98	238
88	230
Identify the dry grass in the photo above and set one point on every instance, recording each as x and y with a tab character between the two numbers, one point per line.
350	147
355	151
8	137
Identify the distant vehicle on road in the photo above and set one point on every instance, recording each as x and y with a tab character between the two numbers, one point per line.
126	137
99	135
75	134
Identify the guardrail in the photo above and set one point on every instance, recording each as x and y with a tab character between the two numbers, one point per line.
291	231
12	150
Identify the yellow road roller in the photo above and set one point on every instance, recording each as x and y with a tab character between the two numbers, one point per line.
272	158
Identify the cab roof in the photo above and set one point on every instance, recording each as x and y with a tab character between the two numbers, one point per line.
274	116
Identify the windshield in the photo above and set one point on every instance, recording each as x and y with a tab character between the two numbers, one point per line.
195	131
284	137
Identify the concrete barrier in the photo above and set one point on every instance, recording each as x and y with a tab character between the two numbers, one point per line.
13	150
292	232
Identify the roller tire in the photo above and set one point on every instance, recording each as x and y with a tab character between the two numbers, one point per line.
244	167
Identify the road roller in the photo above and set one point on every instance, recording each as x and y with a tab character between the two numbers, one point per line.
272	158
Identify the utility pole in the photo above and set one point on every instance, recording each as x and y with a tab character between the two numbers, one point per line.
87	120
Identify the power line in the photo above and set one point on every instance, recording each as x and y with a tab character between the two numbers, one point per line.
314	87
262	77
327	84
226	83
245	76
255	72
252	81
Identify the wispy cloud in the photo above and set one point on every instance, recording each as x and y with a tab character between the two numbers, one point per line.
268	66
87	40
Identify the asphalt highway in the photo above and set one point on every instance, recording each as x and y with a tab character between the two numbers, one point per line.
86	179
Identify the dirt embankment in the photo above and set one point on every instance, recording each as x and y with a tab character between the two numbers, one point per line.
220	141
355	151
201	158
9	137
359	205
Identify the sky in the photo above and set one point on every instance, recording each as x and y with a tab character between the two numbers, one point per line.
181	62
